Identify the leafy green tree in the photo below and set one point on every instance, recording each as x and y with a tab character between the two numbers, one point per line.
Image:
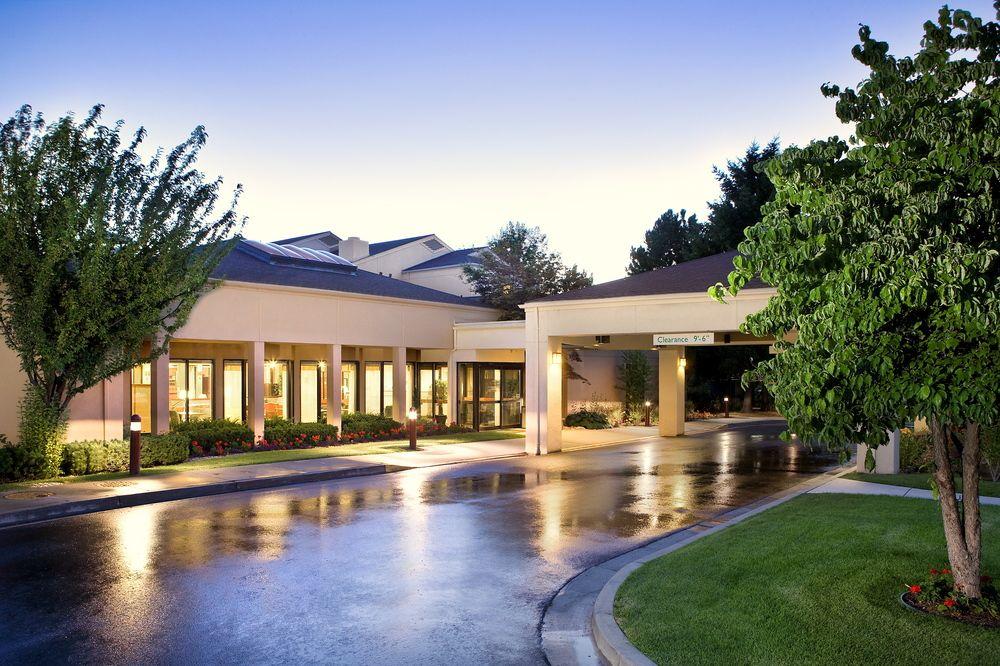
885	253
745	189
675	237
100	250
518	267
634	374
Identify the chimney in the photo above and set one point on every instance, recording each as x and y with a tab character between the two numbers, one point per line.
353	248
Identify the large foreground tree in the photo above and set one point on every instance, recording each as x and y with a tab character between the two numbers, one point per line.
100	251
885	252
518	267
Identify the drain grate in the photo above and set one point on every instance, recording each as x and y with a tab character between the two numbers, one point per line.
27	494
116	484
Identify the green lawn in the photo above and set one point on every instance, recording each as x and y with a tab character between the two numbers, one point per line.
922	480
259	457
814	580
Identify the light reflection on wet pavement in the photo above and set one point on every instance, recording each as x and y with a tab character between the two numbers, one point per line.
444	565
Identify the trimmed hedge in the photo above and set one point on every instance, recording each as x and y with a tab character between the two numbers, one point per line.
357	422
93	456
280	431
588	420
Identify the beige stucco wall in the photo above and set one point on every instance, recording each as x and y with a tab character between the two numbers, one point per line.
450	279
295	324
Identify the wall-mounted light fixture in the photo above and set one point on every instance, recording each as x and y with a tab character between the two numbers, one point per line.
556	359
682	362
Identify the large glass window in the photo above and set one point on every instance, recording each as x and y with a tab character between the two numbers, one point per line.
312	384
189	395
387	389
432	391
234	393
466	395
373	387
349	387
277	390
142	394
378	386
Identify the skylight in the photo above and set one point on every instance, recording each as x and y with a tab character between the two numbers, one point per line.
302	257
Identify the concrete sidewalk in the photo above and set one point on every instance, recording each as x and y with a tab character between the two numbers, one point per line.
44	501
854	487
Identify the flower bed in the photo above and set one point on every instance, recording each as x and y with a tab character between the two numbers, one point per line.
937	594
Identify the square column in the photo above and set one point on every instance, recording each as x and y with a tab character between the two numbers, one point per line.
334	385
671	403
400	401
452	389
886	455
160	370
543	369
255	386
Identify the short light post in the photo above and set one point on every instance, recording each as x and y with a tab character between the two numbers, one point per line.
411	426
648	406
134	444
725	401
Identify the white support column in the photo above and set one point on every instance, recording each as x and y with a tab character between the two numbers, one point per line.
886	456
400	401
671	405
255	381
452	388
543	396
160	369
334	384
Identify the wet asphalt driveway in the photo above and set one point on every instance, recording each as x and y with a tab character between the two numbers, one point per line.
451	564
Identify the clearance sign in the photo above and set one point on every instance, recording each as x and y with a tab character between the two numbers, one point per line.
661	339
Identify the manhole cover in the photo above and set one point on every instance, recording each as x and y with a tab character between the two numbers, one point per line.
116	484
27	494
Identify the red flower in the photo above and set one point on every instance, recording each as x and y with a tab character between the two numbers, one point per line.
949	603
934	572
946	572
914	589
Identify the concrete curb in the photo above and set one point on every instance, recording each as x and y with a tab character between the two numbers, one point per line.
608	636
578	625
80	507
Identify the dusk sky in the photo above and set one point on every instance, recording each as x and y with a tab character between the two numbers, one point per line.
386	120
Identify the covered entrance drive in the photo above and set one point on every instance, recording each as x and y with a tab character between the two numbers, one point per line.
667	309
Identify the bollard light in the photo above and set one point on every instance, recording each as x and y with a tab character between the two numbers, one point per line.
648	406
411	426
725	401
134	444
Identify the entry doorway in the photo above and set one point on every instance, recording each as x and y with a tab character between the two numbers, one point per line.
491	395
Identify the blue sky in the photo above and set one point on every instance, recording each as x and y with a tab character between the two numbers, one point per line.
391	119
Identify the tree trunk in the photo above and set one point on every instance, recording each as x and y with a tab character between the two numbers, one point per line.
962	532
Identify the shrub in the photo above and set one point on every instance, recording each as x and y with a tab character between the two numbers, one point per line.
915	451
93	456
165	449
309	434
17	462
588	420
357	422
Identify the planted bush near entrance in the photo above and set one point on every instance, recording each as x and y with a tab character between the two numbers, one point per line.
280	431
588	420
